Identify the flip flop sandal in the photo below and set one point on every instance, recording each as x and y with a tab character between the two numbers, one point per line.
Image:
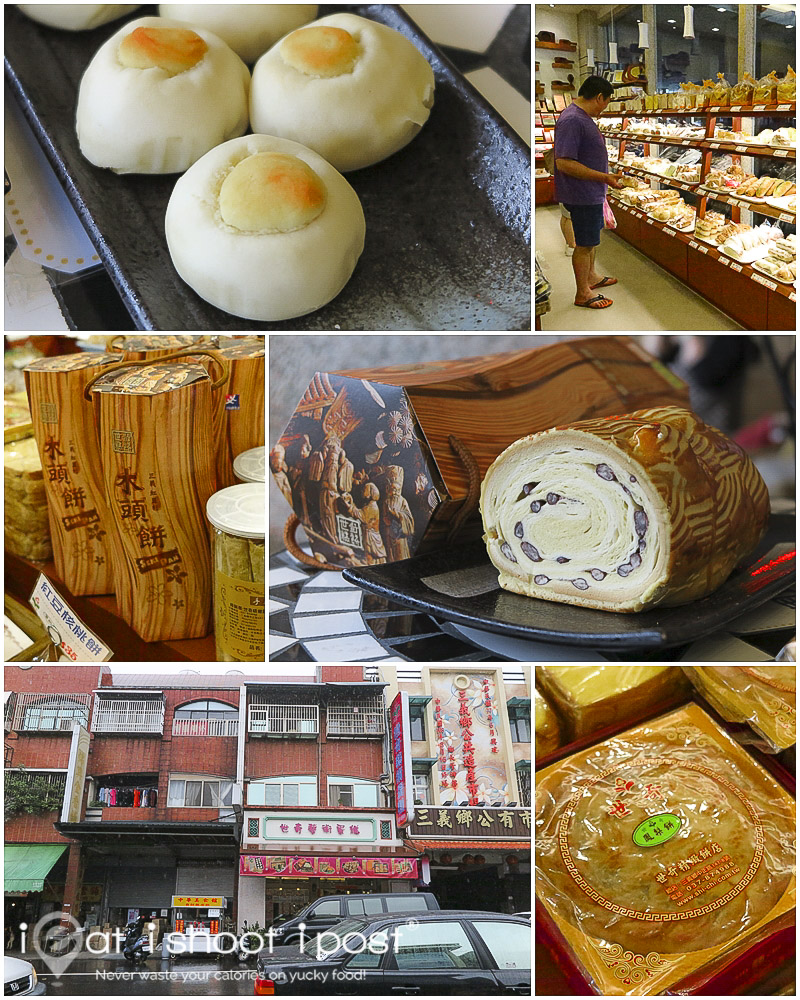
598	302
604	283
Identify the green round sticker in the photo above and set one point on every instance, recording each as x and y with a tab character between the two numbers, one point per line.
656	830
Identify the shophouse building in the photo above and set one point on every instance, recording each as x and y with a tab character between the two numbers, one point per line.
151	815
470	735
318	812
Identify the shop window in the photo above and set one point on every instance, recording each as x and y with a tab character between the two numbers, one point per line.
201	792
422	789
626	34
509	944
352	793
439	945
714	48
519	721
775	39
417	719
206	718
294	790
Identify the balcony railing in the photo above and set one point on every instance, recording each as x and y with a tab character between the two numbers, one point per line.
362	719
119	715
205	727
283	720
51	713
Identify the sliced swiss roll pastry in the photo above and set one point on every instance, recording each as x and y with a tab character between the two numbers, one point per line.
622	513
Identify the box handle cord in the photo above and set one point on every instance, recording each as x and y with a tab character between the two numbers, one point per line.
470	504
189	352
290	541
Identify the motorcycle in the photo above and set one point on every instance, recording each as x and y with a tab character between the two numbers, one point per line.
137	943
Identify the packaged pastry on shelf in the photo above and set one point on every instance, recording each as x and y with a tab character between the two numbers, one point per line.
663	854
623	513
27	530
742	92
766	89
591	698
787	87
548	734
763	696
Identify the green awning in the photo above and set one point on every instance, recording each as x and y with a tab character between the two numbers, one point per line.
28	865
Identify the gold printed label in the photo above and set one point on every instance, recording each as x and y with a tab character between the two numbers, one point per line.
123	442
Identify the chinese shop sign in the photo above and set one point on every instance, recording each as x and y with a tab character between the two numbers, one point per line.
294	866
202	901
451	823
320	828
400	729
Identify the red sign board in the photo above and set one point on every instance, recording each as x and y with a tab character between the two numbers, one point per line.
315	866
400	730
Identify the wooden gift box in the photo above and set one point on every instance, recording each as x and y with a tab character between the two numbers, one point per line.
150	347
63	424
375	462
239	405
154	427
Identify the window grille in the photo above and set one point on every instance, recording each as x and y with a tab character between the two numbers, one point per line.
56	778
121	715
365	718
283	720
53	713
524	786
205	727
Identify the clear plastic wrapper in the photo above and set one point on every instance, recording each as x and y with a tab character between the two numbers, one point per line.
548	734
662	854
763	696
590	698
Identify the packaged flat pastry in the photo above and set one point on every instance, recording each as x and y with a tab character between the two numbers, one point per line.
763	696
662	854
27	531
766	89
622	513
591	698
548	736
787	88
721	94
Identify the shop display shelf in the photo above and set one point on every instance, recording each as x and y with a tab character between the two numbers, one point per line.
767	111
561	46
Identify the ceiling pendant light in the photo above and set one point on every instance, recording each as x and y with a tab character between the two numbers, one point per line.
688	21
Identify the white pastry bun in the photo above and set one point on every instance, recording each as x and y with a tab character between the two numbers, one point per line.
248	28
76	16
351	89
264	228
158	95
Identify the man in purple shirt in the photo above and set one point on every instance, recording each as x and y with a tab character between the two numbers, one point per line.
581	178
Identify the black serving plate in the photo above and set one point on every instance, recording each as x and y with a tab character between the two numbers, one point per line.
466	570
448	217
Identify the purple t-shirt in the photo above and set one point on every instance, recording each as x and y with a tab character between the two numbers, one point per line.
578	138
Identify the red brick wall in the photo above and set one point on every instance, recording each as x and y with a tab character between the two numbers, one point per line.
33	830
348	673
67	680
39	751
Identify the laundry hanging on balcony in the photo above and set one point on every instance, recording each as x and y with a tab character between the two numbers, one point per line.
132	797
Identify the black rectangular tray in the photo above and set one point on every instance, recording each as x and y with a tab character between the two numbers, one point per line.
448	217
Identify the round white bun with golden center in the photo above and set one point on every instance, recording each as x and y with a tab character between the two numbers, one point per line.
249	28
264	228
158	95
351	89
76	16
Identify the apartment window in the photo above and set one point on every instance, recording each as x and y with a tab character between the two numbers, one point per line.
519	720
417	719
297	790
195	790
363	718
352	793
50	713
268	719
128	715
422	789
206	718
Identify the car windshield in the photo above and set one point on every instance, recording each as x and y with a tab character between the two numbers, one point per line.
334	936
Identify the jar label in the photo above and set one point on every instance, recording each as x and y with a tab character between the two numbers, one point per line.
239	617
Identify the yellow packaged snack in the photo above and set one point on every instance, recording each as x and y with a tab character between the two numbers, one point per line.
766	89
662	854
763	696
591	698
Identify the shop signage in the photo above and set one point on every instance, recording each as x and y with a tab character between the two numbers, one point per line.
400	729
332	828
451	823
314	866
76	775
202	901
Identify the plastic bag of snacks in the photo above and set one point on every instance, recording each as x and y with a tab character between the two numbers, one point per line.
786	87
703	98
761	696
766	89
743	92
721	94
663	854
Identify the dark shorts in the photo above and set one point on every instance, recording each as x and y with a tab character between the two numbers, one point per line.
587	224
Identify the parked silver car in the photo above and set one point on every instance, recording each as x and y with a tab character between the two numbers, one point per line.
20	979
